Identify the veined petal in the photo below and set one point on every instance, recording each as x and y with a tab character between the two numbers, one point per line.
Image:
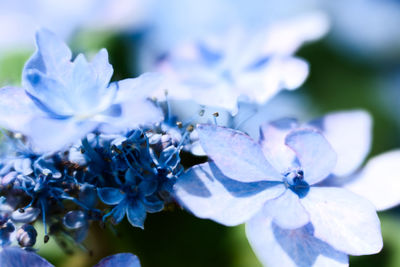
236	154
378	181
272	142
316	156
121	259
209	194
102	68
276	247
286	211
110	196
349	133
344	220
17	257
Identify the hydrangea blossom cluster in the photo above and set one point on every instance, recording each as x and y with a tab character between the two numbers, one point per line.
79	149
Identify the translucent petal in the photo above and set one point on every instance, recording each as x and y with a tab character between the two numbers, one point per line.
351	146
17	257
236	154
110	196
272	142
102	68
51	54
58	133
379	181
121	259
316	156
286	211
136	213
16	108
75	219
344	220
276	247
209	194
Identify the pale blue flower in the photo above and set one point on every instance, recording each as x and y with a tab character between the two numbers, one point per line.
240	64
72	98
121	259
272	186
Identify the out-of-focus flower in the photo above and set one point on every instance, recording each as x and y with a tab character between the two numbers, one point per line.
63	100
17	257
251	66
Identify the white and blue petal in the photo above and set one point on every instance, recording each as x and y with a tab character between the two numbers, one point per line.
315	154
206	192
276	247
378	181
350	134
344	220
272	142
16	109
236	154
286	211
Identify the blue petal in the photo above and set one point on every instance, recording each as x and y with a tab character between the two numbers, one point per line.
75	219
236	154
286	211
118	212
351	146
378	182
316	156
344	220
17	257
110	196
276	247
153	204
272	142
51	54
58	134
121	259
16	109
136	213
209	194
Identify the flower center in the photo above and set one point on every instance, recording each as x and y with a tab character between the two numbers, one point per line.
294	180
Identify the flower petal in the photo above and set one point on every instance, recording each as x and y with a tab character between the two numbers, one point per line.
378	181
344	220
29	215
17	257
272	142
209	194
110	196
286	211
276	247
316	156
136	213
351	146
236	154
121	259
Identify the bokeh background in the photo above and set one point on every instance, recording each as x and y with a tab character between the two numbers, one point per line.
355	66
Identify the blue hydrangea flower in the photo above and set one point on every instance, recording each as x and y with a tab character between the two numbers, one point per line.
71	98
272	186
253	66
